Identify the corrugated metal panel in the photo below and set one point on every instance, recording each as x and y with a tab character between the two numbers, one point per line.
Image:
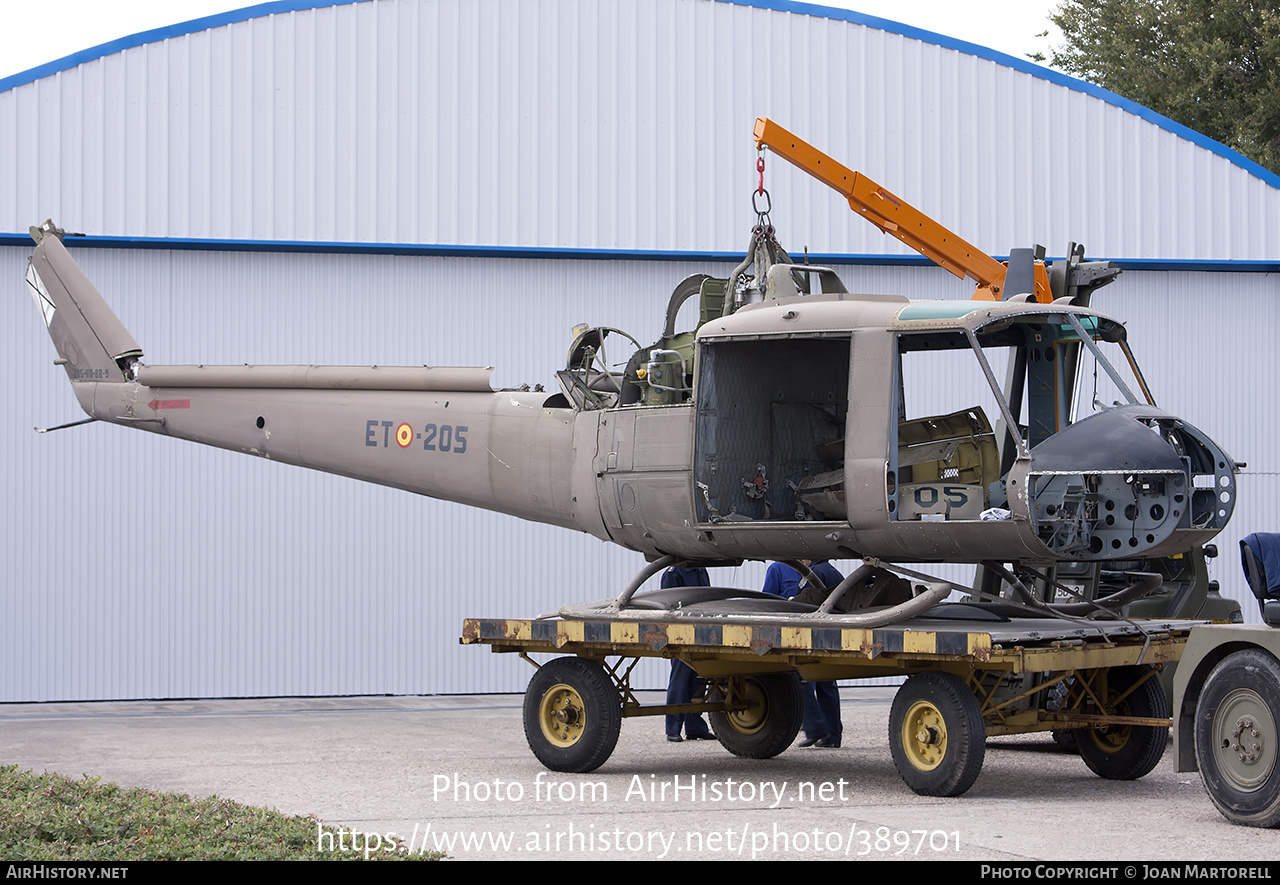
583	124
138	566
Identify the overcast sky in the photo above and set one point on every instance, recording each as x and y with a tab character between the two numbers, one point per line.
32	33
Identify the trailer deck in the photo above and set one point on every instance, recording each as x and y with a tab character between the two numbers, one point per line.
971	674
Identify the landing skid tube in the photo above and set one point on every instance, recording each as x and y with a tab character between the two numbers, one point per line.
732	605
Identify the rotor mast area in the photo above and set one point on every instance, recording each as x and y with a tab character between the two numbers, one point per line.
897	217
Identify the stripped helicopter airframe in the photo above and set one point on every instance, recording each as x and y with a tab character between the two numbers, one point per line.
797	421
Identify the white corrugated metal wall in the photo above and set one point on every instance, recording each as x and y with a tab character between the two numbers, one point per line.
137	566
584	124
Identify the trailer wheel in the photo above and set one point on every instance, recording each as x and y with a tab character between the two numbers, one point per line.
1237	737
769	723
572	715
937	734
1127	752
1065	740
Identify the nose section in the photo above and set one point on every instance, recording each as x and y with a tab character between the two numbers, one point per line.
1126	482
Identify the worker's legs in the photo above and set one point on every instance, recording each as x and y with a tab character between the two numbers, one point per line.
827	695
821	722
682	685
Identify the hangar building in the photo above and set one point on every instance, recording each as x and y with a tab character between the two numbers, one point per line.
459	182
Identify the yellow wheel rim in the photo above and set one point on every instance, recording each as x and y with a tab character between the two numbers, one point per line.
1112	738
756	714
562	715
924	736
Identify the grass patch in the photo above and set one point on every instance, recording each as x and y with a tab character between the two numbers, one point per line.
51	817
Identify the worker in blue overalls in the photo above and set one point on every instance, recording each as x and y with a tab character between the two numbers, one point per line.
683	683
821	723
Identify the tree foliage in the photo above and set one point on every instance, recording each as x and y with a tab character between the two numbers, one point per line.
1212	65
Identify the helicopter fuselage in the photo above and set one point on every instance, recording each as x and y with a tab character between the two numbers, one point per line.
811	426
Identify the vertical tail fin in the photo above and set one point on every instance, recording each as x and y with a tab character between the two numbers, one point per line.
92	343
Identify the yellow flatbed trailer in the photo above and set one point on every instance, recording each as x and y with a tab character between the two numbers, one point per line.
966	680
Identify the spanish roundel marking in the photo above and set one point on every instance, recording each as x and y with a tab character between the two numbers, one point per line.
404	436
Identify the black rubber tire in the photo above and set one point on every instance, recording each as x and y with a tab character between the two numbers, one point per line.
1127	752
1065	740
770	725
1241	697
572	715
937	735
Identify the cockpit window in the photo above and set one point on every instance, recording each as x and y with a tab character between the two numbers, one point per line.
945	455
969	404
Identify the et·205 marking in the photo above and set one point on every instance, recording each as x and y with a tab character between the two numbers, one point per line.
435	437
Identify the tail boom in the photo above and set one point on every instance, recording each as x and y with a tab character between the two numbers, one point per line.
441	432
499	451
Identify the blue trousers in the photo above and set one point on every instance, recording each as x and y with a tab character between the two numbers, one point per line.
821	710
681	687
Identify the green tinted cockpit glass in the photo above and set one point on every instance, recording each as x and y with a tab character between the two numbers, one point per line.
939	310
1091	325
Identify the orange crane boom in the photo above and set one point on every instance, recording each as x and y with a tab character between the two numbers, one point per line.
896	216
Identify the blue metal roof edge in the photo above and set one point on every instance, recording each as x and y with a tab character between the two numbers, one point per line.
155	35
1022	65
1025	66
446	250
